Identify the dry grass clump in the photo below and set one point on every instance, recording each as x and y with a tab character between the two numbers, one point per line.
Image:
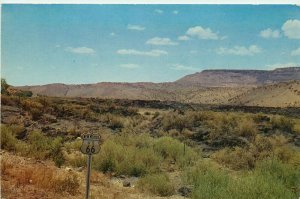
66	183
75	159
282	123
42	177
174	120
235	158
35	108
261	148
114	122
9	100
158	184
247	128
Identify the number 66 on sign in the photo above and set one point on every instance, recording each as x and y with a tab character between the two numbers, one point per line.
90	144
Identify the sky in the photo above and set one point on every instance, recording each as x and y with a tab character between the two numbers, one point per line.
80	44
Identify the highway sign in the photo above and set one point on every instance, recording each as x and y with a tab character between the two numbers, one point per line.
90	144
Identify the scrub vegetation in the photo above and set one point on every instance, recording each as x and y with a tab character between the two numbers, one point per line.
229	154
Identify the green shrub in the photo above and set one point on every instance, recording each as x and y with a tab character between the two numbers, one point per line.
270	179
24	94
4	86
76	159
286	174
39	145
42	147
140	154
261	148
73	145
158	184
8	139
207	181
131	156
172	149
56	151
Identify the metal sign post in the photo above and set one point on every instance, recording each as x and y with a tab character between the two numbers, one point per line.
90	146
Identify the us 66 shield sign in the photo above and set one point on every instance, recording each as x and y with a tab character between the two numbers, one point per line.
90	144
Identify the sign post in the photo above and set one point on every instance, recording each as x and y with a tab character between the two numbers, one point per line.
90	146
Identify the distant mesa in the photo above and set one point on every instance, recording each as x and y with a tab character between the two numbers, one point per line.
231	78
208	86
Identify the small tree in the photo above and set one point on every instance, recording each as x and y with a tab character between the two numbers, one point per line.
4	86
24	94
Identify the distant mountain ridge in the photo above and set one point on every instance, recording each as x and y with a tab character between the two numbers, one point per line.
230	78
208	86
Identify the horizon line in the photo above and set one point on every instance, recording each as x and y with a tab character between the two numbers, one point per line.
145	82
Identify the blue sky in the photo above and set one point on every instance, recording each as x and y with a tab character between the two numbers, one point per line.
78	44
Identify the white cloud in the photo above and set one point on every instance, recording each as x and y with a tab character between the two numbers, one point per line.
193	51
280	65
183	38
202	33
269	33
112	34
182	67
296	52
129	66
175	12
240	50
135	27
158	11
158	41
57	46
152	53
80	50
291	29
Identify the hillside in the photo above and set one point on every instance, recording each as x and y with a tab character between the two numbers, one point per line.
277	95
206	87
148	149
233	78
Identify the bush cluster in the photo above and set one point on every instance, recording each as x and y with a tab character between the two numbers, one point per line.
261	148
38	145
158	184
140	154
270	179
